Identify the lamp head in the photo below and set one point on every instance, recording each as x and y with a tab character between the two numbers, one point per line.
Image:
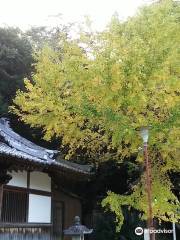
144	132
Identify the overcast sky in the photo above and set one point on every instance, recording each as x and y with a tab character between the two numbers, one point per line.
26	13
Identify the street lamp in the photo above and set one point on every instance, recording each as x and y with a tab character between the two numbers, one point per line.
144	132
77	231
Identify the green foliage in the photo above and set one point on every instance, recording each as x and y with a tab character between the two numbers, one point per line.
165	204
95	91
15	64
105	229
43	35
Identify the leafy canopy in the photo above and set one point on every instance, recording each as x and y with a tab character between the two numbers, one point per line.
96	90
15	64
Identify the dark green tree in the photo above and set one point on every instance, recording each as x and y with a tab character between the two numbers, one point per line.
15	64
42	35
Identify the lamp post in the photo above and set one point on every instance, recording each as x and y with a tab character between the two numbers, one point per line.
174	230
77	231
144	132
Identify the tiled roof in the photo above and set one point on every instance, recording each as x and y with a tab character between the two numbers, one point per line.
19	143
12	144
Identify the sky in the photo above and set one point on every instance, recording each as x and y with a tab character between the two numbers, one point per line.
27	13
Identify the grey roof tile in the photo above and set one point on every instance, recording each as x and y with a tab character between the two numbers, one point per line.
16	146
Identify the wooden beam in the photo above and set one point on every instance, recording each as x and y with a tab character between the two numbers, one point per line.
1	198
4	179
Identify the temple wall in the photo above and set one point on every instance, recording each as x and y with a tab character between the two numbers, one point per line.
72	208
31	210
19	179
25	233
39	209
40	181
37	195
37	180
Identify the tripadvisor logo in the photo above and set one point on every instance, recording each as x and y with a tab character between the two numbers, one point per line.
139	231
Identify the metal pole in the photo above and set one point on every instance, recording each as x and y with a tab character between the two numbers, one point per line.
149	191
146	234
174	231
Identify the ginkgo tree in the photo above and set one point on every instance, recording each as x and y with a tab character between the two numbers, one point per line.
98	89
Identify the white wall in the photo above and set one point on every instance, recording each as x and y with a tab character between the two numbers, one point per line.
39	205
39	209
19	179
40	181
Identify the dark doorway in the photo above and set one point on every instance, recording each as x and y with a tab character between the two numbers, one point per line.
58	220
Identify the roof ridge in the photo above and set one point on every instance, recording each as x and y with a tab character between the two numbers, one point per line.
7	150
17	146
22	144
